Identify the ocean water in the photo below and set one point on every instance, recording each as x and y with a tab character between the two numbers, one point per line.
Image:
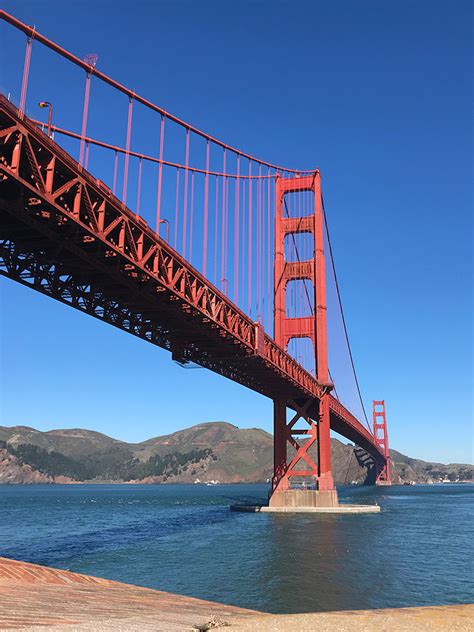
184	539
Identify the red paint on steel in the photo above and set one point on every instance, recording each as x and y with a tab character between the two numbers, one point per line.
223	226
139	186
176	210
127	149
269	257
106	234
185	204
92	211
85	112
382	468
287	467
86	160
32	33
160	173
191	219
320	284
146	157
114	186
249	263
206	211
26	71
236	233
216	229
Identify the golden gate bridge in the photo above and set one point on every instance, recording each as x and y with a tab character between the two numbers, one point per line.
190	244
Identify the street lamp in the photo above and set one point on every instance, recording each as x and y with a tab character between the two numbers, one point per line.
165	221
47	104
225	286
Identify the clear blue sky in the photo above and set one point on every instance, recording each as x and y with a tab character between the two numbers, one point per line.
378	94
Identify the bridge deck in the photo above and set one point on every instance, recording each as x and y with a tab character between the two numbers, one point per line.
66	235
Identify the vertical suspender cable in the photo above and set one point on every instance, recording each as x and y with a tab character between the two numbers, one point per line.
114	186
86	161
250	250
261	243
223	228
127	150
236	233
139	185
26	72
206	210
85	112
191	219
216	226
160	174
244	257
342	312
185	204
176	210
263	275
269	254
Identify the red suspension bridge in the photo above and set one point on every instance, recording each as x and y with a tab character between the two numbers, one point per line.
174	236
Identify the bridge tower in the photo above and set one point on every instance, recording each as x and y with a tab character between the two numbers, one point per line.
382	471
302	453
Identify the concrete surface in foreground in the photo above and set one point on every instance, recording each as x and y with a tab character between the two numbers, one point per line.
426	619
36	599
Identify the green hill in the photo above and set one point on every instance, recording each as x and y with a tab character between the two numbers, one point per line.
213	451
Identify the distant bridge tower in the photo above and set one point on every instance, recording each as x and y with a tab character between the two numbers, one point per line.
382	472
302	453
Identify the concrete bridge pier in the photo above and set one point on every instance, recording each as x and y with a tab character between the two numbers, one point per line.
303	477
309	498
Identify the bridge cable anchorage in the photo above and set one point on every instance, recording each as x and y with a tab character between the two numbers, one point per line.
342	312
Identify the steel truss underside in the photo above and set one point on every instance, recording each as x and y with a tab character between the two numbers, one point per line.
62	234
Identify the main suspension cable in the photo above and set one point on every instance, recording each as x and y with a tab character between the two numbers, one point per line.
342	313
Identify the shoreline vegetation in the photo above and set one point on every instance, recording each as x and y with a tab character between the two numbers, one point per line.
208	453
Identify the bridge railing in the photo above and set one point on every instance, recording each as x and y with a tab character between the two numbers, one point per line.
211	202
108	217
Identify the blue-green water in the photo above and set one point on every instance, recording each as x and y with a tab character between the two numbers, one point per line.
184	539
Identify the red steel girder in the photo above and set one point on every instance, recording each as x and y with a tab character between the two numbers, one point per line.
55	216
382	471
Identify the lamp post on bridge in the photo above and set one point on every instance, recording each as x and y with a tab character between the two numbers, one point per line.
165	221
225	286
48	104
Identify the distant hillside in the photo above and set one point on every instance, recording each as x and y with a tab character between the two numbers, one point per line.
409	469
214	451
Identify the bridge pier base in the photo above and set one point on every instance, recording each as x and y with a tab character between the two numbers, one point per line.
302	457
303	498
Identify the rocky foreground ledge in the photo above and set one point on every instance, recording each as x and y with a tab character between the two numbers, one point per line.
36	598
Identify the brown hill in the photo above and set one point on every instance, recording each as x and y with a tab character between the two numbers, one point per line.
213	451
